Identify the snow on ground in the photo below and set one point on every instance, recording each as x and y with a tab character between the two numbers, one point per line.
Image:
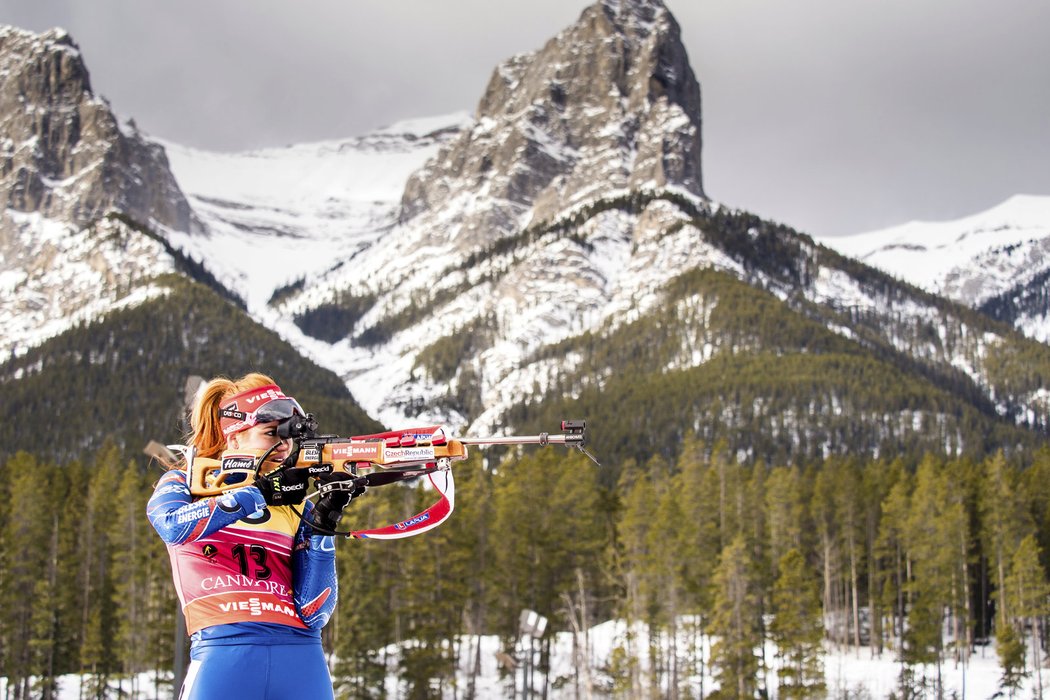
850	673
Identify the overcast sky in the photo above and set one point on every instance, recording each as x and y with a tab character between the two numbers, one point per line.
832	116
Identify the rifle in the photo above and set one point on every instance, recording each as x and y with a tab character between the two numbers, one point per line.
373	460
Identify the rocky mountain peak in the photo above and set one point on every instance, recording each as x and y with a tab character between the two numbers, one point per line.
50	60
63	153
608	105
459	306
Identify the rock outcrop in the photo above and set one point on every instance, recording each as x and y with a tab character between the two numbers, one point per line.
63	153
610	104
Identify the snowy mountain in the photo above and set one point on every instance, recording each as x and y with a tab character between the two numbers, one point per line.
553	134
1001	252
71	176
552	252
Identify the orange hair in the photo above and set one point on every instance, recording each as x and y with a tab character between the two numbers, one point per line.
205	432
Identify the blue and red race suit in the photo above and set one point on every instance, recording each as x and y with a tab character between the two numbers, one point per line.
247	575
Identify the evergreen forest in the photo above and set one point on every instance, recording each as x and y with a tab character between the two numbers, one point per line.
921	560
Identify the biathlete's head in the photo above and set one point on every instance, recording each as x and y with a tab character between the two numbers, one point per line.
241	414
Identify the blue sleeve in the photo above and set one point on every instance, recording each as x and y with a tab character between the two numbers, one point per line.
178	517
314	576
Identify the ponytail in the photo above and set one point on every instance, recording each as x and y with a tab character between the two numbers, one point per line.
205	431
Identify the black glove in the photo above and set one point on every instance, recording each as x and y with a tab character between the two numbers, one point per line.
337	490
285	486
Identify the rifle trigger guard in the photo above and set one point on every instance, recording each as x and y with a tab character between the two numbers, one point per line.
348	485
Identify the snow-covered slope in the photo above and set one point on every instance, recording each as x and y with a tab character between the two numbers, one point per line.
612	270
969	260
65	275
277	215
327	214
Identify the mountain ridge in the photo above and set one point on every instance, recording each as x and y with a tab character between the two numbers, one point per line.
981	260
454	271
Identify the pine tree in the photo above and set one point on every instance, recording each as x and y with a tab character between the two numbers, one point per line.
1026	597
25	626
736	624
129	572
1010	649
48	601
665	589
472	554
757	534
5	562
71	479
931	549
730	494
633	536
829	529
699	543
798	629
878	479
1036	487
548	523
95	583
1003	518
433	601
958	524
369	615
785	509
893	546
849	512
160	599
645	556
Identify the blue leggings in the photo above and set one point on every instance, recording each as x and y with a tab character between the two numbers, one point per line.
257	672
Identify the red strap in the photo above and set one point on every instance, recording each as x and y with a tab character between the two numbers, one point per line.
420	522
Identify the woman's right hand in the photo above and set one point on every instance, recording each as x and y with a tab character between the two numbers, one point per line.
337	490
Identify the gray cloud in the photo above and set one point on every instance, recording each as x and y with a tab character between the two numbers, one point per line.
831	117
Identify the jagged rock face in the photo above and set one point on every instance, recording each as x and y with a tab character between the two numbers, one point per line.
609	104
63	153
62	276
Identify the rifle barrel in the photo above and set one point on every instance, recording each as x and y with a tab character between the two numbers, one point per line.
541	439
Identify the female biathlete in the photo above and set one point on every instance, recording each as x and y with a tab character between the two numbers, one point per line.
256	582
